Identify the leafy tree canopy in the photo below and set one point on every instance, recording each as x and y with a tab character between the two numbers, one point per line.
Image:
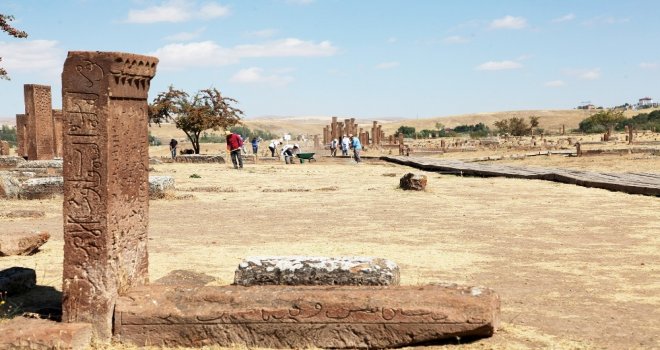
207	109
7	28
602	121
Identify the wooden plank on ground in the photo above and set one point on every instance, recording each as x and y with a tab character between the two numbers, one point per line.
634	183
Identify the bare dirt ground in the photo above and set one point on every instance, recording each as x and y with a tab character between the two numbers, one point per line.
575	267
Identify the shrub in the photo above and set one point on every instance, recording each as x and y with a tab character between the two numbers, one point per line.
8	133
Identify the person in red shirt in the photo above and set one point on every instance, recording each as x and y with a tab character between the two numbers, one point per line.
235	143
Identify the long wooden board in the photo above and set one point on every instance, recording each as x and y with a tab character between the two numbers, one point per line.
635	183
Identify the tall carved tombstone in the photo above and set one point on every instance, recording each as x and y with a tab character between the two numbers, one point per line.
57	132
21	131
106	192
39	122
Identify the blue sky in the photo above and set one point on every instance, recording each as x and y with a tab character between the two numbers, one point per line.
367	58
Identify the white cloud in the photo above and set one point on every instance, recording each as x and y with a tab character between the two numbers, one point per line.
499	65
176	11
591	74
555	83
32	56
213	10
255	75
286	48
392	39
605	20
584	74
264	33
648	65
565	18
387	65
208	53
204	53
455	39
185	36
509	22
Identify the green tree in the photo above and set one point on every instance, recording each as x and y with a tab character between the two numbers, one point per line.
514	126
642	121
533	123
502	126
601	121
407	131
8	133
5	27
207	109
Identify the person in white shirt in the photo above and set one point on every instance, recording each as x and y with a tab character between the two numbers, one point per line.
273	147
288	151
345	142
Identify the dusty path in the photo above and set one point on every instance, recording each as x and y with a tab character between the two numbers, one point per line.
575	267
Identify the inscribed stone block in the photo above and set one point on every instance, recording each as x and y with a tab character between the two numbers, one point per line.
106	191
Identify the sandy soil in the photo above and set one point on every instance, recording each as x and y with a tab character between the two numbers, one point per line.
575	267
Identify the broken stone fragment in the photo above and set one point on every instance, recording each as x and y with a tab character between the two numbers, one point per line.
307	270
10	161
37	334
42	187
159	186
21	243
413	182
10	187
16	280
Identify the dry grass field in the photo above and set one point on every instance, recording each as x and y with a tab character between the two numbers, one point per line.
576	268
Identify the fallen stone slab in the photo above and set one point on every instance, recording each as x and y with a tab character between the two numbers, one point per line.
42	187
199	158
37	164
21	243
16	280
303	316
51	186
307	270
413	182
7	162
35	334
159	186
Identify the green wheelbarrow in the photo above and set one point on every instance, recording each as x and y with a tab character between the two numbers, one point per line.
305	156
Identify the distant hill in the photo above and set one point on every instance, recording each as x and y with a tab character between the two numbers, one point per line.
551	120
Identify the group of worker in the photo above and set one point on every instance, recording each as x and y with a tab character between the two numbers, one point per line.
347	142
288	152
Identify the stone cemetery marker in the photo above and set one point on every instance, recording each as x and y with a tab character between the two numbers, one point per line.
106	191
21	141
40	121
57	132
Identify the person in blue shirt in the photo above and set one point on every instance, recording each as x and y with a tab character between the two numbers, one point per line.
255	144
356	146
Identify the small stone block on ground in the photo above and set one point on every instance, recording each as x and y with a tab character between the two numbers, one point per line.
21	243
16	280
35	334
42	187
303	316
160	185
307	270
413	182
